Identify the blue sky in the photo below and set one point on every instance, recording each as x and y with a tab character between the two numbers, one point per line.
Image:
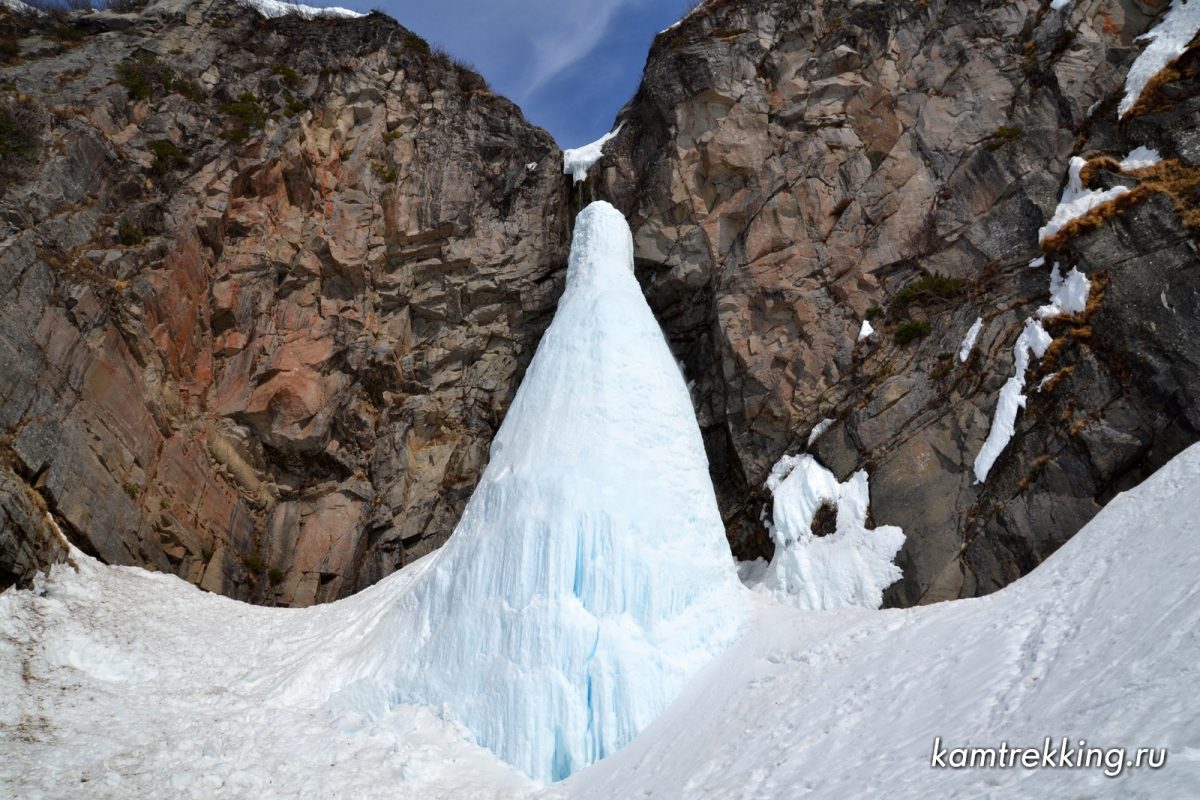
569	64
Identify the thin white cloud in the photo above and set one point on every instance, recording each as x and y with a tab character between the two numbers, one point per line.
568	31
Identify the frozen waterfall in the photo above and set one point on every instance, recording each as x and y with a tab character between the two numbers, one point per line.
589	577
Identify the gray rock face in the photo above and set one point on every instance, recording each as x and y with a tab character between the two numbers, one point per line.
29	544
790	168
268	287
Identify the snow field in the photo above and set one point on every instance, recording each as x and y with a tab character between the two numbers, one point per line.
118	683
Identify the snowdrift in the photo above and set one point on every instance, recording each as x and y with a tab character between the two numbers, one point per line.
115	682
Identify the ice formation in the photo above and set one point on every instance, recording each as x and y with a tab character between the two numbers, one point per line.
1068	294
1168	40
865	331
968	342
590	576
1035	340
578	161
849	567
1076	200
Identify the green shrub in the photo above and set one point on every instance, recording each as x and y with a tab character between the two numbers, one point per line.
129	233
294	106
246	110
66	32
928	287
254	563
911	330
131	489
384	172
186	88
276	576
142	73
289	75
873	312
392	136
17	139
247	113
135	81
414	42
167	156
1003	135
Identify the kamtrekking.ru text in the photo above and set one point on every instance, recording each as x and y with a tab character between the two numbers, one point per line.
1051	755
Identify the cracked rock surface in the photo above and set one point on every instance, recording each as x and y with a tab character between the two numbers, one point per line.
268	286
791	167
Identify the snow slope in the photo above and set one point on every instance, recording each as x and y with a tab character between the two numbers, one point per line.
1100	642
119	683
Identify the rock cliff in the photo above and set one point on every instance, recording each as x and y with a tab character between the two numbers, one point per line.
795	168
268	285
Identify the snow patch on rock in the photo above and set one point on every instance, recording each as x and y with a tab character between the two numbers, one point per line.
1167	41
1077	201
1140	158
1068	294
1033	340
18	7
277	8
577	161
968	342
680	21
